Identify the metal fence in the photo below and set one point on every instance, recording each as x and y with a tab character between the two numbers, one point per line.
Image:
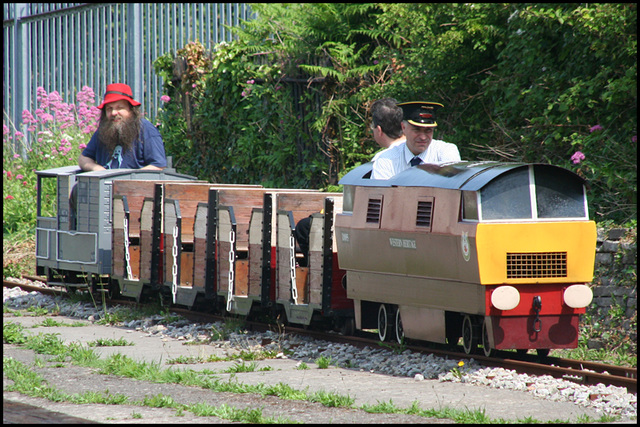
66	46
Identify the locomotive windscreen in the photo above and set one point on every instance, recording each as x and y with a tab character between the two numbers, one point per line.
557	193
507	196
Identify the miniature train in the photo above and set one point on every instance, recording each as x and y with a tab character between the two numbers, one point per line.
498	254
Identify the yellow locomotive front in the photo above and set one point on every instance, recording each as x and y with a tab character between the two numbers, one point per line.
535	252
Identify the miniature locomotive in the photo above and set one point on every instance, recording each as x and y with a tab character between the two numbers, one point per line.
498	253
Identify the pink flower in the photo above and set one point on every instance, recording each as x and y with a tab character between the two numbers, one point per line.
595	128
577	157
165	98
55	97
19	176
28	118
9	197
16	156
25	183
86	95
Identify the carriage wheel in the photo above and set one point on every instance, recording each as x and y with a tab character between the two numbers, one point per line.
469	338
488	351
399	329
542	352
348	328
384	323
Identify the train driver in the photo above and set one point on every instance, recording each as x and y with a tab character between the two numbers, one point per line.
418	124
124	139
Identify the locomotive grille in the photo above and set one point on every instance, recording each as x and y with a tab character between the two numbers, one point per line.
423	218
536	265
373	210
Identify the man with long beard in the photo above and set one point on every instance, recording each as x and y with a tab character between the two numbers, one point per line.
124	140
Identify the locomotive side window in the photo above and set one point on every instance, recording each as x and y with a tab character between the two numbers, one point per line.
347	198
507	196
559	195
47	197
469	205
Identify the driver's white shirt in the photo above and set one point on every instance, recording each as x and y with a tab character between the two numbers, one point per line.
395	160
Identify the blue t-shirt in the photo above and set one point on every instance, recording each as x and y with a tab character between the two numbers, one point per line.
147	150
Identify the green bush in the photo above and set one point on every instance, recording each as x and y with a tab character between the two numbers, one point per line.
286	104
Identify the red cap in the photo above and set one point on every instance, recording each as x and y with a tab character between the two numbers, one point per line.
116	92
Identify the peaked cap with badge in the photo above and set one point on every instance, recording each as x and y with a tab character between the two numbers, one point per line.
420	113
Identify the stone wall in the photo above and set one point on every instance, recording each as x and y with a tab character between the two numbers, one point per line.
611	320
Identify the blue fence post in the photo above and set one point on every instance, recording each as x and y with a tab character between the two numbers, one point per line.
21	71
134	52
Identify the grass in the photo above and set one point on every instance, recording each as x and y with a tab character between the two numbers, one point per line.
49	323
243	367
323	362
18	254
109	342
618	357
29	382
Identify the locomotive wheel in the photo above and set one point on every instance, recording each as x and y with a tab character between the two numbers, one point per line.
488	351
384	323
469	338
399	330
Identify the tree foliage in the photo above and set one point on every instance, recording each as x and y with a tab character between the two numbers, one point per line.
286	104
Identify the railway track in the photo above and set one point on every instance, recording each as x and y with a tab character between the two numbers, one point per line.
582	372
